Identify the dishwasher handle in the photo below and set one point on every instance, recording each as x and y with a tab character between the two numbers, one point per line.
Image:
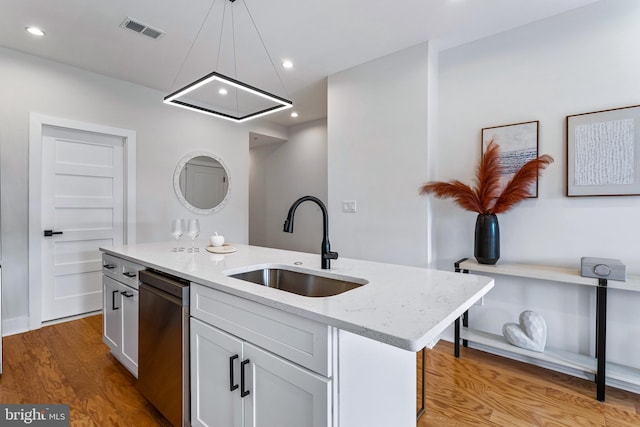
175	286
144	287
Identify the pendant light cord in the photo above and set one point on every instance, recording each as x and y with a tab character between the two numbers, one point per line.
224	14
264	46
235	64
184	61
233	35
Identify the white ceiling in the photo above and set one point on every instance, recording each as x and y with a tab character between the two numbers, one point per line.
321	37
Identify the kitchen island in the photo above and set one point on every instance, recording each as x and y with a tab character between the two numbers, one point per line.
350	356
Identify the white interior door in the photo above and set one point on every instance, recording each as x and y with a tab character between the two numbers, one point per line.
81	198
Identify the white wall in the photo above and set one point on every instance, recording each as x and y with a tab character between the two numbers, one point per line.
280	173
585	60
378	155
164	135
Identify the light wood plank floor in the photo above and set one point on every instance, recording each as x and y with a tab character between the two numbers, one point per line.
481	389
68	363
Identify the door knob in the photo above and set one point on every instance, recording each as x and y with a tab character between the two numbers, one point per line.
49	233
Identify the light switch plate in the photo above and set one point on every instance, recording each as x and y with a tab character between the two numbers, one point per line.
349	206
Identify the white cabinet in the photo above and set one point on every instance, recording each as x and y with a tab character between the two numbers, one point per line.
235	383
298	372
283	394
111	314
215	355
120	322
120	310
130	329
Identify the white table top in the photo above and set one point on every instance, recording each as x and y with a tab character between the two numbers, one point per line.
550	273
407	307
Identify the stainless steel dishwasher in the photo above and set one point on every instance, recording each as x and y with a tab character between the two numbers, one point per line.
163	353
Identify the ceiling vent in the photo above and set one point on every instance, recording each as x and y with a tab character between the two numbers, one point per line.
141	28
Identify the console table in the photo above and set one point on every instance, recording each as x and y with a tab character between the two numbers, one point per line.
598	365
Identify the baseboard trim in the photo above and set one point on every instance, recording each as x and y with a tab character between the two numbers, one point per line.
16	325
70	318
19	325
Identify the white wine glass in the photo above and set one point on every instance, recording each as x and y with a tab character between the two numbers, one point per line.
177	230
193	231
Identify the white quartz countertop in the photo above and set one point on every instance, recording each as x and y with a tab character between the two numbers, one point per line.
406	307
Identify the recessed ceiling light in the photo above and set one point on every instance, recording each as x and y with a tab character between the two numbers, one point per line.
35	31
294	114
287	64
223	91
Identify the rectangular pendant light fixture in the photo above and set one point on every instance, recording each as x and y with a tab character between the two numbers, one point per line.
278	102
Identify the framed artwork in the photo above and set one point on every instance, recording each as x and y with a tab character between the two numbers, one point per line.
603	154
518	144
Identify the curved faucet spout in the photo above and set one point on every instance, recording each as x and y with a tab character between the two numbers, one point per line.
327	255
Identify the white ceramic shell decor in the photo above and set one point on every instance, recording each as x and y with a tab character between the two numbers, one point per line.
531	333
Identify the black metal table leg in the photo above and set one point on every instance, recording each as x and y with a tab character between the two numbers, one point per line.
601	337
424	384
465	315
465	323
456	338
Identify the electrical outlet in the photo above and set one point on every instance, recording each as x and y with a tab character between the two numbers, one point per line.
349	206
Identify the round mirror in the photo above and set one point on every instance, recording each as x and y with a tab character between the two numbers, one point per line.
202	183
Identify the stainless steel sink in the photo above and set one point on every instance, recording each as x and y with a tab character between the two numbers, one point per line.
305	284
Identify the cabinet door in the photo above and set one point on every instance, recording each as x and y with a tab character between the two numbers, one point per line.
215	369
111	316
282	394
129	312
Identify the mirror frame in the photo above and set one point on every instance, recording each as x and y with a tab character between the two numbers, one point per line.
178	191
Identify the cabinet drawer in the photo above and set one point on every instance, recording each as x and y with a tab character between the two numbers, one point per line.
121	270
129	273
295	338
111	266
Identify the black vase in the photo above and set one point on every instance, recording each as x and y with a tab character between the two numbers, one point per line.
487	242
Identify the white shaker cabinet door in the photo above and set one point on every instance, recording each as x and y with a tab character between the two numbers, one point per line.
129	299
215	370
282	394
112	317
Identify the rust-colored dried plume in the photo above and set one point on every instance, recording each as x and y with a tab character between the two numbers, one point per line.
486	197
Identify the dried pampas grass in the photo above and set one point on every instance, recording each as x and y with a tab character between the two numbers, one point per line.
486	197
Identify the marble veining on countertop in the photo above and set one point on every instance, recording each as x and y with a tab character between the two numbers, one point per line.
407	307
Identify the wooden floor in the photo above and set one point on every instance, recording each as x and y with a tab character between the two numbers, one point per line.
481	389
68	363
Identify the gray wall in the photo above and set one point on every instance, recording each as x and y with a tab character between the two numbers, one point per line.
582	61
383	143
280	173
164	135
378	116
